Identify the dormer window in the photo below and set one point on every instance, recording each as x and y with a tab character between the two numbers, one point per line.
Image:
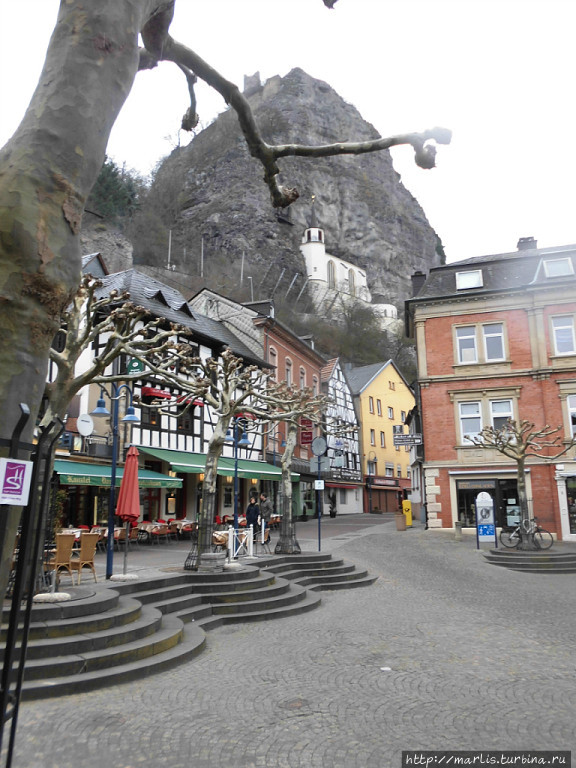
558	267
470	279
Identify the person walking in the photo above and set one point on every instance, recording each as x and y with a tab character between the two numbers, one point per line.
266	509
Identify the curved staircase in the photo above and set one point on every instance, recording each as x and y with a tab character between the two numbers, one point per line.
533	562
119	631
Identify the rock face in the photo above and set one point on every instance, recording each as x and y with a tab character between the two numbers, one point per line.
368	216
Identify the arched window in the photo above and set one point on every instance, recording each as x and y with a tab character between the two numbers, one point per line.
274	362
315	385
331	275
351	282
288	371
302	378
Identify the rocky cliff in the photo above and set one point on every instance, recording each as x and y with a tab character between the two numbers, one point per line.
219	198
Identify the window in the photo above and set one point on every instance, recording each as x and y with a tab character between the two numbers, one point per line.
493	341
492	348
382	440
389	469
274	362
470	420
371	404
351	282
399	470
391	385
289	372
372	466
314	385
342	495
564	339
500	412
558	267
466	338
402	416
571	400
302	378
390	413
469	279
331	275
372	437
379	407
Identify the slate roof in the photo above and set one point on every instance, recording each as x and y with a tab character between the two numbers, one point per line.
518	270
163	301
359	378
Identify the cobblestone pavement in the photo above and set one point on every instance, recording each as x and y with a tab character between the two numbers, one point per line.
443	652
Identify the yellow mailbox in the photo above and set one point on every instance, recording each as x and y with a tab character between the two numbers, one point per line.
407	510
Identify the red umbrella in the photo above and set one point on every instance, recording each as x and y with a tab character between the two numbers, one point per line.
128	506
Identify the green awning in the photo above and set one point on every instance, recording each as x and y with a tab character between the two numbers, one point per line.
76	473
195	463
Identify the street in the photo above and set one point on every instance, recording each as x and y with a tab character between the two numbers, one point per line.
443	652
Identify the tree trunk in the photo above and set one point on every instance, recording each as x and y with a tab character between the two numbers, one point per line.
526	540
210	490
287	543
46	172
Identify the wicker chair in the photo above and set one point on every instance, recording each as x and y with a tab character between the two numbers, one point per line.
84	558
61	558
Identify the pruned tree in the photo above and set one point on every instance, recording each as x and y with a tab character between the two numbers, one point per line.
520	440
117	324
50	164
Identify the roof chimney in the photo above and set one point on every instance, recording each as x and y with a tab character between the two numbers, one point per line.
527	244
418	280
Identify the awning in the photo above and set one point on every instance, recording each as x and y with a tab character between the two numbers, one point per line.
76	473
184	462
343	485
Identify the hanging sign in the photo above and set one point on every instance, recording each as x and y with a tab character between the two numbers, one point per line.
15	477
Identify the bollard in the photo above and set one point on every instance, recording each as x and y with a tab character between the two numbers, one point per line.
457	531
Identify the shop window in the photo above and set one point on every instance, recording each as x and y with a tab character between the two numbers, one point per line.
563	334
342	495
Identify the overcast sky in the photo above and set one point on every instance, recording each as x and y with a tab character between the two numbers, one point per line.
499	73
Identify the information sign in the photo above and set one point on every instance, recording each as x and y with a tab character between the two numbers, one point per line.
15	477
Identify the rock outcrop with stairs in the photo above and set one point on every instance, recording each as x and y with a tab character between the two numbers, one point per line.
126	630
533	562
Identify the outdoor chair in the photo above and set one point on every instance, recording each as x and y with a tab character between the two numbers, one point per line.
173	531
61	557
84	557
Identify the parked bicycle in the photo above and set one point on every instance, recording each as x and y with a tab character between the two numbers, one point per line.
540	538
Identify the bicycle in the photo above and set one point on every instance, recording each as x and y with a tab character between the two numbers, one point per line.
541	538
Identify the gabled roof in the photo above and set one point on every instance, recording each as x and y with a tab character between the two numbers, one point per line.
328	369
519	270
163	301
359	378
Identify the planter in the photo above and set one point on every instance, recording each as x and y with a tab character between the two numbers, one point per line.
400	521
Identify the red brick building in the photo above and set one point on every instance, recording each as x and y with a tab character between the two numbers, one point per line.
496	339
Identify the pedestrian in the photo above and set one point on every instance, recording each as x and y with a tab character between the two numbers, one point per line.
266	509
252	513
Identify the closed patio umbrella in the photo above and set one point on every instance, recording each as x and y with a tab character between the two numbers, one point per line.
128	506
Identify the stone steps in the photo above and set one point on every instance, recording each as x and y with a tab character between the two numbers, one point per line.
533	562
118	631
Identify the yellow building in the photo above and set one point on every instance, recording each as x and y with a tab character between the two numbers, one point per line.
382	399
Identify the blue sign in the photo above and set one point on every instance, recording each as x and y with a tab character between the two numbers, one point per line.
486	530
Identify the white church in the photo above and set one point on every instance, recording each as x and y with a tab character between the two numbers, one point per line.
330	277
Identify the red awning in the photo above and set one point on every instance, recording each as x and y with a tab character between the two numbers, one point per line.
342	485
155	392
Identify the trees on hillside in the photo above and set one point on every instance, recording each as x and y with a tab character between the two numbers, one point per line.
50	164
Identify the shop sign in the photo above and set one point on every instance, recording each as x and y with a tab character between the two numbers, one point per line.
476	485
15	477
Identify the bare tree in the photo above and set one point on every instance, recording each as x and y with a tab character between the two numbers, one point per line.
50	164
519	440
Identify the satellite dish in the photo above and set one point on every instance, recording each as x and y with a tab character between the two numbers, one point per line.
85	425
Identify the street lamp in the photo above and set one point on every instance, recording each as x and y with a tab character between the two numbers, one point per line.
371	472
232	437
130	417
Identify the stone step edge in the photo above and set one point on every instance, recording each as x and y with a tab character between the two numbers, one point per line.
192	643
309	603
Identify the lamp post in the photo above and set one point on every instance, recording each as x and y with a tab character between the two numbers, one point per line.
130	417
232	437
371	472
